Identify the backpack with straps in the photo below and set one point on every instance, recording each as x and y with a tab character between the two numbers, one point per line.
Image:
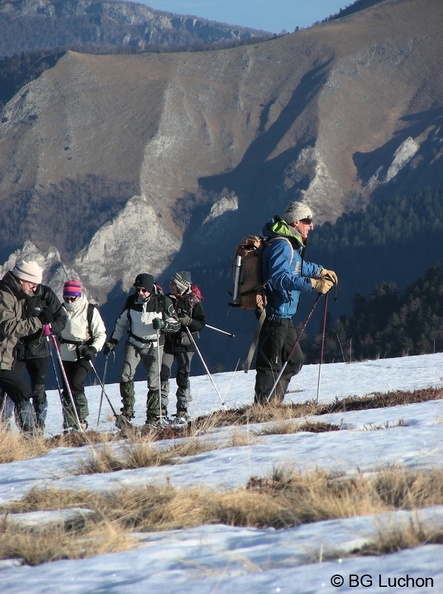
249	286
196	295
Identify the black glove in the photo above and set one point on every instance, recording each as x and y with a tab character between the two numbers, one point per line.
109	347
158	324
185	320
88	352
45	316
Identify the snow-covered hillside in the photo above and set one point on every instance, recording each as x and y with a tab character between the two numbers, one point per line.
220	559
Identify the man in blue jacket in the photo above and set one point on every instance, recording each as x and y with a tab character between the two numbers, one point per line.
288	274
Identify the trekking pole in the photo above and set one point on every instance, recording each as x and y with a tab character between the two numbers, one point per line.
4	397
101	395
159	370
121	422
322	349
231	334
65	379
54	367
205	366
294	346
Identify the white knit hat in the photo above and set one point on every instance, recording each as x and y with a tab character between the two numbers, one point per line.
296	211
30	272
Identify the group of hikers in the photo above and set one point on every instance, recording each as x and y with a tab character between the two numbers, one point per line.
159	328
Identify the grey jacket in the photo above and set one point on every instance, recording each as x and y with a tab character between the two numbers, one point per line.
13	323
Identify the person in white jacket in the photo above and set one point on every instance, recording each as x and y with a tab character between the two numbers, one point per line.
145	318
81	339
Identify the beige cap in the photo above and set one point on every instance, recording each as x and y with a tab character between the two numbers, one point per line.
30	272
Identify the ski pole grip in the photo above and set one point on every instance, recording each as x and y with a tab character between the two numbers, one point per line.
47	330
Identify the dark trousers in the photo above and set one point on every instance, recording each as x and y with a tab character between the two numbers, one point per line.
37	370
277	337
183	360
76	372
20	393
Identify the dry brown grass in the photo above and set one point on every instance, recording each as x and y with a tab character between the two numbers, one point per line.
14	446
280	412
141	451
280	501
52	543
139	454
397	538
285	427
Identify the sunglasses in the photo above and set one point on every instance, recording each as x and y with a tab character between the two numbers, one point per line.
69	299
141	290
306	221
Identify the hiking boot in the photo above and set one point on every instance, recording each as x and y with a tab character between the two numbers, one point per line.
40	427
75	429
156	421
128	413
181	418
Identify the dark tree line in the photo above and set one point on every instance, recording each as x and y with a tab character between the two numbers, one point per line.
386	324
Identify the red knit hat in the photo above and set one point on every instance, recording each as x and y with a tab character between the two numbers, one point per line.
72	288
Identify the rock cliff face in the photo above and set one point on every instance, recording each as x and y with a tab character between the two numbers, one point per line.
149	162
37	24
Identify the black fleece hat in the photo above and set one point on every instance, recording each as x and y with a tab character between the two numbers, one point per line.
145	280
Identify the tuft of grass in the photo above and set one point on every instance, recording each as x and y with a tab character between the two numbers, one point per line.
52	543
400	537
139	454
386	425
17	446
284	428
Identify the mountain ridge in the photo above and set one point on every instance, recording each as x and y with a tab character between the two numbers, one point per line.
29	25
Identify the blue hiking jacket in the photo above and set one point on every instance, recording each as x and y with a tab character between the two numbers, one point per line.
284	269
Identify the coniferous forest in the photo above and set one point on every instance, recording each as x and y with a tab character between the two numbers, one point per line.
385	324
374	250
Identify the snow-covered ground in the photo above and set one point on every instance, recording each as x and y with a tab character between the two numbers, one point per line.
219	559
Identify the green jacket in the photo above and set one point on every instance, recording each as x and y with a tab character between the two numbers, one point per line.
13	324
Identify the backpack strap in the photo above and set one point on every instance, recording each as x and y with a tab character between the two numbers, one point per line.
90	313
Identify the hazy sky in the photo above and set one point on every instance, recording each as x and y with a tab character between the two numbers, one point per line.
269	15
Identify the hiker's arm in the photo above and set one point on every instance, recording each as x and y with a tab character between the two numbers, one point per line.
121	324
198	320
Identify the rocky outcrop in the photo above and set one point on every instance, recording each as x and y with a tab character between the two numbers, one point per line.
135	241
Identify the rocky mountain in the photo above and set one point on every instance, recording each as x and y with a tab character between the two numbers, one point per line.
102	25
162	161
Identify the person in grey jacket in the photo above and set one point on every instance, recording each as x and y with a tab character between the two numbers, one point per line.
16	287
146	315
33	350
